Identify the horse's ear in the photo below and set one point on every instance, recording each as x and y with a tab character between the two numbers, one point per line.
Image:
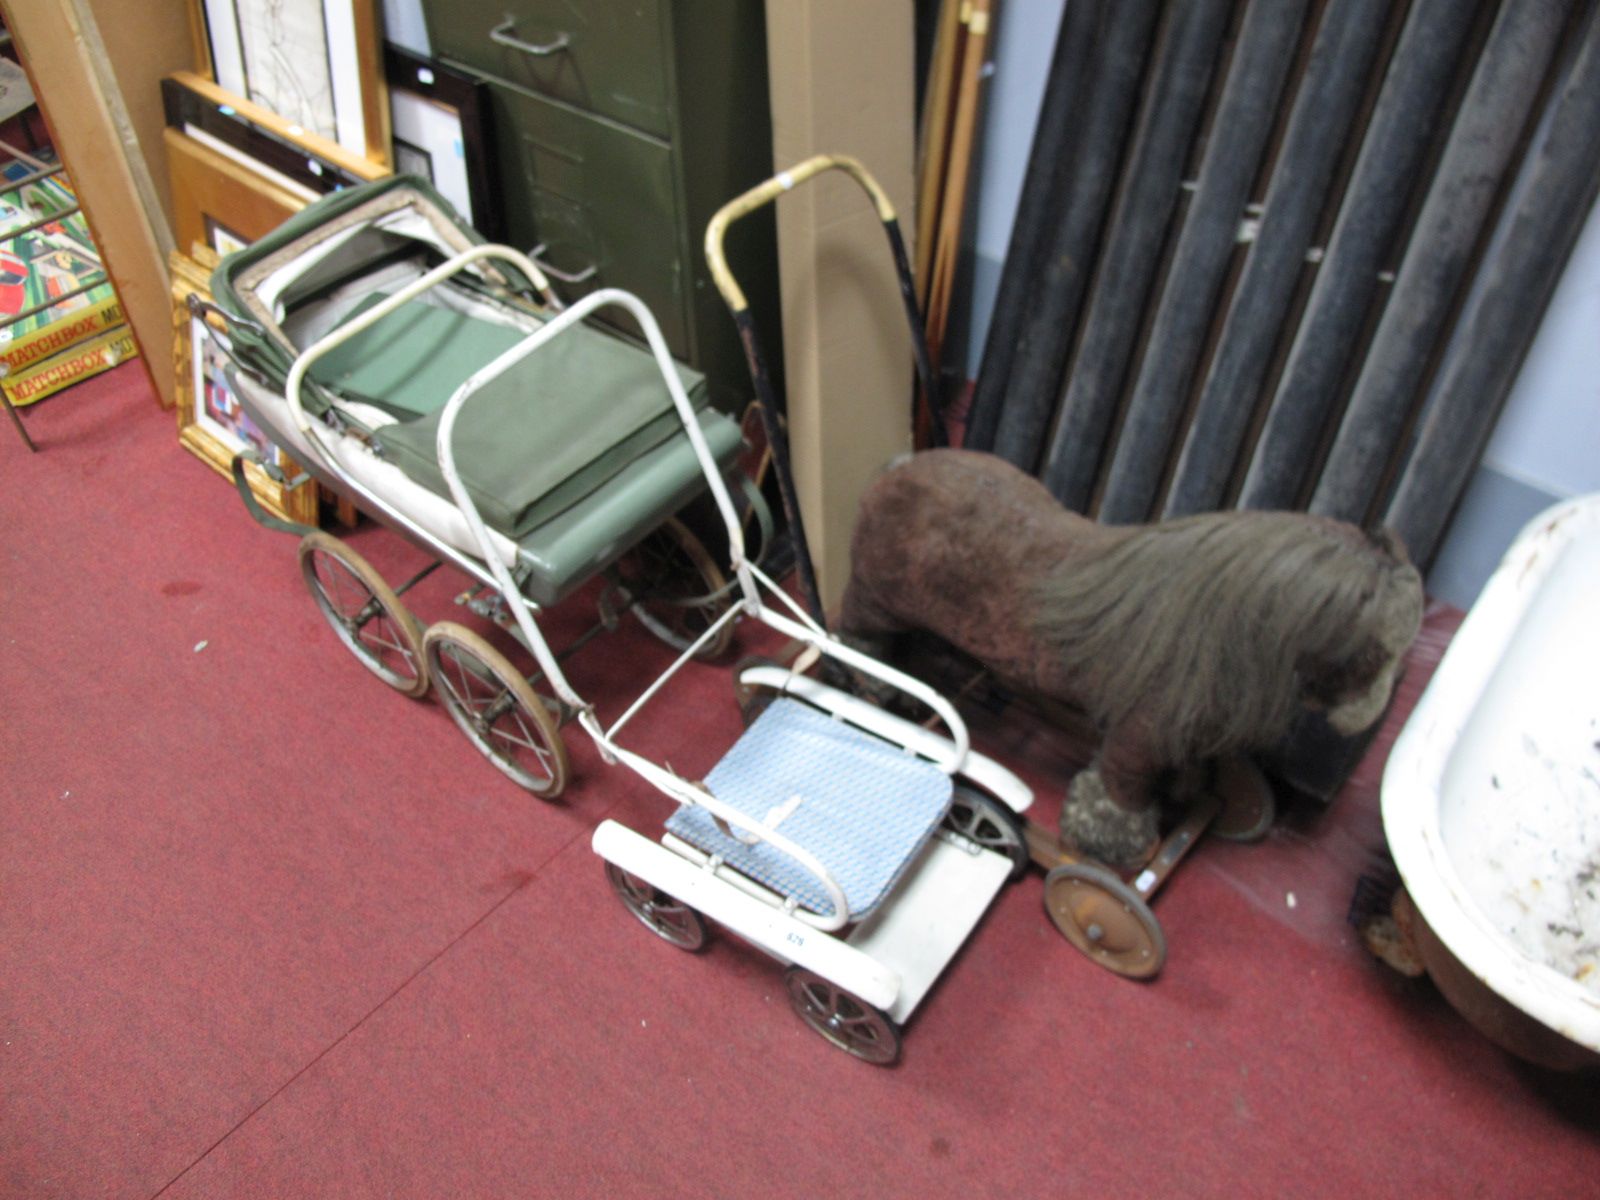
1383	538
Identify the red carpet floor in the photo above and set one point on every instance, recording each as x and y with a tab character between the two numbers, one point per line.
268	929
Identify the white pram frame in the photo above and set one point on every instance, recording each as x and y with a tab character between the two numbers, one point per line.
854	982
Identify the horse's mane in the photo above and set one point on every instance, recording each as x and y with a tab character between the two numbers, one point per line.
1212	630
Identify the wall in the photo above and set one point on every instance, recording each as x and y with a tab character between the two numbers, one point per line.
1546	446
1024	42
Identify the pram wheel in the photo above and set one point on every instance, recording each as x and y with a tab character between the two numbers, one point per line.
660	913
847	1021
364	612
497	710
991	824
1105	918
675	588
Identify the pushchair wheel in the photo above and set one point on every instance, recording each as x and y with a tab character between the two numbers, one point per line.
1105	918
364	612
675	588
494	706
991	824
660	913
846	1020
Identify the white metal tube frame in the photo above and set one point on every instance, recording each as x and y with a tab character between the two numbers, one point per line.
804	629
295	383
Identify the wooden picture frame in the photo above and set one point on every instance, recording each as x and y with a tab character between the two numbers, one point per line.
196	106
209	424
443	115
211	190
316	64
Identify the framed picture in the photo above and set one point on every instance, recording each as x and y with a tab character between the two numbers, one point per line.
199	108
211	425
317	64
442	130
214	190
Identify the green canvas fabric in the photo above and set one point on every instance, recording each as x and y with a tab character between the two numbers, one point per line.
411	362
267	351
573	545
550	430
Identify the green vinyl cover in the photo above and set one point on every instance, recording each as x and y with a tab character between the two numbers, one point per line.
541	436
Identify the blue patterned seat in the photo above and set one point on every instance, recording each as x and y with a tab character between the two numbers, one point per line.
863	807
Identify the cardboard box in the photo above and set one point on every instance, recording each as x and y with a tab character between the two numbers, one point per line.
842	82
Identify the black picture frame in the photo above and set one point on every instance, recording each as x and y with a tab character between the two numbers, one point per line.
466	99
186	109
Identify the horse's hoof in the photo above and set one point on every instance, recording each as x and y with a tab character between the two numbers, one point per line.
1096	826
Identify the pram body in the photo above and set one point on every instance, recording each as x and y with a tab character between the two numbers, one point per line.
838	837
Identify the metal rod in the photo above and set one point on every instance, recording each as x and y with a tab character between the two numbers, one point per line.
55	300
1405	123
1050	161
16	418
47	219
1488	125
1047	333
1325	108
1235	143
418	578
1505	312
1185	61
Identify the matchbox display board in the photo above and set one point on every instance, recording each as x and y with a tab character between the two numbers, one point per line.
44	345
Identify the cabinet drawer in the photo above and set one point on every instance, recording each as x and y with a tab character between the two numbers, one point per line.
611	60
594	195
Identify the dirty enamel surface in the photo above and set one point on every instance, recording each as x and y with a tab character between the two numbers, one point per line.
1491	799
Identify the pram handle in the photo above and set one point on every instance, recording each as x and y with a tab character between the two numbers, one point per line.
739	307
765	193
605	297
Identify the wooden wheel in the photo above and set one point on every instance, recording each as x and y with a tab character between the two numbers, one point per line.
1248	803
1106	919
492	704
365	612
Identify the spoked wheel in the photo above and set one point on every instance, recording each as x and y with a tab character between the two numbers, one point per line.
1106	919
675	588
1248	804
847	1021
658	912
497	710
364	612
991	824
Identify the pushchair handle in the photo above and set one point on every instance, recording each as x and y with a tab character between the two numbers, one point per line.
765	193
760	377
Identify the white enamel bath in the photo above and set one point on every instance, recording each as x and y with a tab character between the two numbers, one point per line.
1491	799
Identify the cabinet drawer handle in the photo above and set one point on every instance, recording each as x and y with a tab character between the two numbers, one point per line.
582	276
504	34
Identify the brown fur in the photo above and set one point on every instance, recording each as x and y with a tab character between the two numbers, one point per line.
1183	640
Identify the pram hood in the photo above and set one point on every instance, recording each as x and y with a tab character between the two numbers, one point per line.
332	239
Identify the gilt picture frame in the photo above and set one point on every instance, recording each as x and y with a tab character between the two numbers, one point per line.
211	425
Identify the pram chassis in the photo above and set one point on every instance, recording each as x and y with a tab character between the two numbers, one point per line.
852	976
537	728
854	984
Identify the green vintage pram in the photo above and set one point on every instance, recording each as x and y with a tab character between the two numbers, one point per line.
352	326
436	381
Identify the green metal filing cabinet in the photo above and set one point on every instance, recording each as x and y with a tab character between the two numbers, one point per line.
621	126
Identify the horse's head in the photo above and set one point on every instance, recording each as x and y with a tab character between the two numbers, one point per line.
1350	677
